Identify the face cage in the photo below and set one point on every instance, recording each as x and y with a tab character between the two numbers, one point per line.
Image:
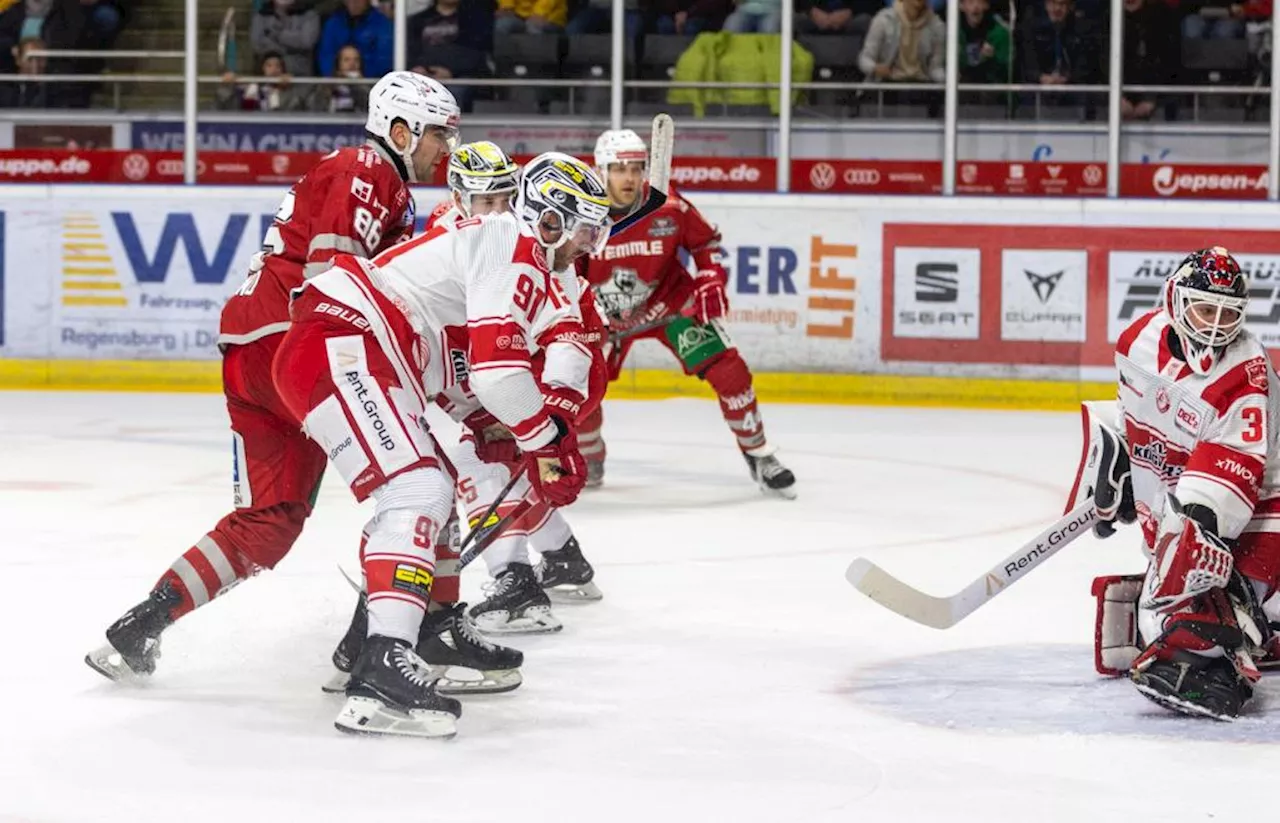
1218	333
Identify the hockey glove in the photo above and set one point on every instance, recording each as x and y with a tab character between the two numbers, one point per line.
494	443
558	470
710	301
1113	488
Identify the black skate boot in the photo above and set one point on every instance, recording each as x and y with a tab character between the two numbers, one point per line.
772	477
392	692
566	575
595	474
133	641
469	664
517	605
1203	687
344	657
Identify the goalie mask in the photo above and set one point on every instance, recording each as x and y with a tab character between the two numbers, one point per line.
481	168
562	199
1205	300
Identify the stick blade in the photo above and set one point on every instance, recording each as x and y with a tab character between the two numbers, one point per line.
898	597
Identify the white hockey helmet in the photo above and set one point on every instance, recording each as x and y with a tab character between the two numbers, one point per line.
619	146
561	194
418	101
481	168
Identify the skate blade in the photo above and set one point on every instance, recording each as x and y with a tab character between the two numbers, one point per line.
588	592
536	620
365	715
785	493
1176	704
459	680
337	684
109	663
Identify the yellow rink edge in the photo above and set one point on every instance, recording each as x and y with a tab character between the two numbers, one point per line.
641	384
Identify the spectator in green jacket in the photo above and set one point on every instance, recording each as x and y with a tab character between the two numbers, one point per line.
984	44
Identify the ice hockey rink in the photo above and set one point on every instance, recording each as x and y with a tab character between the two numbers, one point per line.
730	673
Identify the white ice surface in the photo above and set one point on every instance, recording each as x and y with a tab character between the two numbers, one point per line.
730	674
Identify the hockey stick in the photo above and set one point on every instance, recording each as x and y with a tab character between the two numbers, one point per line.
482	523
660	146
617	337
945	612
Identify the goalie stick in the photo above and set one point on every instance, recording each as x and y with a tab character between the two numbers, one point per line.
945	612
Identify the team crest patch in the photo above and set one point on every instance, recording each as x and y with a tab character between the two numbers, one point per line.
1162	401
1257	374
662	227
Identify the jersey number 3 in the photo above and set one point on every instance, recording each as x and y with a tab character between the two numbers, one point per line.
1253	421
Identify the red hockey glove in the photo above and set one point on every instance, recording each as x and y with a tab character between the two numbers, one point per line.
558	470
494	443
709	298
565	404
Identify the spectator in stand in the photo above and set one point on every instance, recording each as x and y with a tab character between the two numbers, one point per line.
280	95
358	24
596	17
25	95
760	16
687	17
984	44
344	98
1059	47
289	28
1215	20
1151	54
452	38
530	16
906	43
88	25
835	16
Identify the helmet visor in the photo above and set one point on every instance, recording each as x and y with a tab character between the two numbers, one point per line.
558	229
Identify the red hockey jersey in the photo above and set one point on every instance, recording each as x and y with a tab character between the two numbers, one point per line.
640	277
353	202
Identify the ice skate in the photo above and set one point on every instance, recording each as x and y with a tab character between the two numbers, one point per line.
566	576
517	605
772	477
466	662
392	692
344	656
1210	687
133	641
595	474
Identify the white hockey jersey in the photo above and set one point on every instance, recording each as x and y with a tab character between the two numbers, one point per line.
481	297
1206	439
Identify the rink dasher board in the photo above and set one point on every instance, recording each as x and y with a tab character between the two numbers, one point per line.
1007	303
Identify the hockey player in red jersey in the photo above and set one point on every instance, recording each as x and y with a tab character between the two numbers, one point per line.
374	342
1189	451
355	201
644	288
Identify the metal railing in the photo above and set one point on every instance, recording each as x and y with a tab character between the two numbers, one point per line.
618	84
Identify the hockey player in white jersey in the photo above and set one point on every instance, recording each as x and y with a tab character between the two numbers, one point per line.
373	342
479	176
1189	451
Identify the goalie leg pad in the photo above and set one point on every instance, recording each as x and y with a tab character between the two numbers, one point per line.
1116	644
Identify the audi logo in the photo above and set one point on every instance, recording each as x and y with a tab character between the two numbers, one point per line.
861	177
169	168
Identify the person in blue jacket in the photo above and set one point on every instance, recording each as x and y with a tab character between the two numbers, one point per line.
358	24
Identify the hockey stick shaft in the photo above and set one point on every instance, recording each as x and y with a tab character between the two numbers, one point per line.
661	143
625	334
479	524
489	533
945	612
